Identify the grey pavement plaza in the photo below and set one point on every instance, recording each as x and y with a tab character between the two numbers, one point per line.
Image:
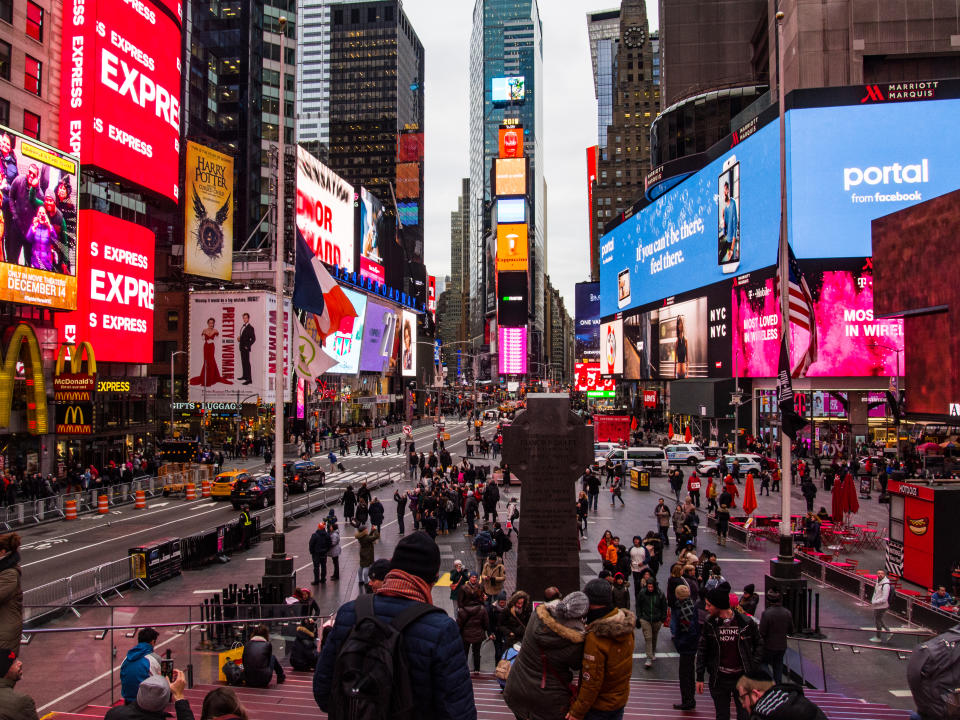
81	663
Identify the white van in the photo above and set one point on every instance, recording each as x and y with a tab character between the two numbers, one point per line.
653	459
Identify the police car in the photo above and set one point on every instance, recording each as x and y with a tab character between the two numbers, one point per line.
684	454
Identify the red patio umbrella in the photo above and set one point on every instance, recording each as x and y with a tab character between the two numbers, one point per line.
670	431
836	500
687	435
850	502
749	496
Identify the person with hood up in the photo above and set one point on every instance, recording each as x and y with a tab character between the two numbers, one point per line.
749	600
141	662
11	594
303	654
473	621
493	575
538	686
764	700
513	621
607	657
685	628
651	614
349	501
621	591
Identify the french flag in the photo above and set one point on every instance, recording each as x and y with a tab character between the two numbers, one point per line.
315	291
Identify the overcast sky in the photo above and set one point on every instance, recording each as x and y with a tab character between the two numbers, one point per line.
570	126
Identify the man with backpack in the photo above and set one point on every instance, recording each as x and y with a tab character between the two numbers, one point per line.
483	545
319	547
383	646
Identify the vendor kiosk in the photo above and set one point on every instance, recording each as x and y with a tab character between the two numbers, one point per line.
924	542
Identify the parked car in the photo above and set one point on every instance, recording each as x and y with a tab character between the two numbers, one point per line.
302	475
684	454
256	492
653	459
748	463
224	482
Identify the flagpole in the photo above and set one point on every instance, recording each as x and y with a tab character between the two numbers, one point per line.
786	488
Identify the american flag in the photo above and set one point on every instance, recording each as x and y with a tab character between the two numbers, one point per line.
800	308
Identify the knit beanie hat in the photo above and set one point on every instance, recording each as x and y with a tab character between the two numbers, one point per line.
599	592
574	605
682	592
153	694
719	596
7	658
418	555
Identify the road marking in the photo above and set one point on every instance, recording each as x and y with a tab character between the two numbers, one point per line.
738	560
903	630
44	544
207	592
263	558
156	505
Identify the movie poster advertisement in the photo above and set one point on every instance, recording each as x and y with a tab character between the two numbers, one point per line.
408	344
232	347
379	339
208	210
38	225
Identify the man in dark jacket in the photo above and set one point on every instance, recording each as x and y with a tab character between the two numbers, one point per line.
776	624
436	662
259	662
491	496
765	701
729	648
401	500
13	705
376	513
319	547
153	696
651	614
685	627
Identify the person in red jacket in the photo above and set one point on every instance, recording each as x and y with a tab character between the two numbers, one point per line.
731	487
606	540
693	487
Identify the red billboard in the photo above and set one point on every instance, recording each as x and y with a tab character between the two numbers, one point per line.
432	295
120	91
591	182
588	378
115	290
511	141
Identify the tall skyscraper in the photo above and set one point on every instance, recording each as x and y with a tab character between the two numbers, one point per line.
506	42
603	30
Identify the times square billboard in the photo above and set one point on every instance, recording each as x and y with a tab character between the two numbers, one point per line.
691	275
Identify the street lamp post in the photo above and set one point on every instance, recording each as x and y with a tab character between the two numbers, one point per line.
172	356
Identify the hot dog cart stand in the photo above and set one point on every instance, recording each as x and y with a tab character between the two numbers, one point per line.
924	542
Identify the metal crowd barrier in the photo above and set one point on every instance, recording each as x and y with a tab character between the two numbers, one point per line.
92	583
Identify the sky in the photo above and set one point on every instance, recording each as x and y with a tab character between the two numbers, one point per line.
570	126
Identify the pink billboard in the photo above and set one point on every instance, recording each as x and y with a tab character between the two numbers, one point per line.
512	342
850	341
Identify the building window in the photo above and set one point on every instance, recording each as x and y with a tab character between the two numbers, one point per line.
6	11
31	75
6	54
34	21
31	124
4	112
173	320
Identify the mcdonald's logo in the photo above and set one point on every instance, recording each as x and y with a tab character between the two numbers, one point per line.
74	419
76	354
23	336
73	415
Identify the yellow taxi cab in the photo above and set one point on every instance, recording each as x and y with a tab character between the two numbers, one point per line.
224	482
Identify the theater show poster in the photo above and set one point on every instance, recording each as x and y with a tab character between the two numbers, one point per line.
208	223
232	347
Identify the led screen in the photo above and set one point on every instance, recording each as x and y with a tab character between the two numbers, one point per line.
508	89
511	210
371	225
38	231
698	233
408	180
379	336
510	176
611	348
344	345
511	142
512	343
408	344
325	214
512	298
587	310
120	90
115	290
511	248
588	379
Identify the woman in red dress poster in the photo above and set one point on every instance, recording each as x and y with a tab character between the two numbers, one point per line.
210	372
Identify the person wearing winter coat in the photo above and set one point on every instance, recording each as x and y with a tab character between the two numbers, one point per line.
607	655
538	686
334	554
685	629
639	561
513	621
11	594
259	662
349	501
376	514
473	622
651	614
458	578
140	663
401	500
303	653
621	592
365	539
319	548
763	699
493	575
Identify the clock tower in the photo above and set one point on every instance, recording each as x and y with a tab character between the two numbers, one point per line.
625	160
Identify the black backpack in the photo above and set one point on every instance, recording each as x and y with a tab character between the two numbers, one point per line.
372	676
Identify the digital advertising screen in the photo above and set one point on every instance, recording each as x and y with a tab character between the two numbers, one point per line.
325	213
510	176
587	378
876	159
408	344
512	298
38	227
379	337
208	211
508	89
408	180
511	142
344	345
371	223
611	348
512	248
120	91
697	235
410	147
511	210
115	298
587	323
682	340
512	344
432	295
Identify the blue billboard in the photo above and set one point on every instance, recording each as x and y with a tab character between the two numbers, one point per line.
852	164
721	221
587	313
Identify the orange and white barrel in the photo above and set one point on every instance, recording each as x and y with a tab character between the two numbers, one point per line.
70	507
316	447
103	505
205	488
191	491
140	500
